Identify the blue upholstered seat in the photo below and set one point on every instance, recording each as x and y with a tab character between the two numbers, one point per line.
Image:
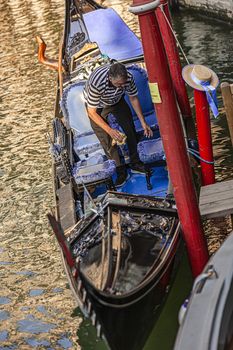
86	145
94	168
151	151
93	165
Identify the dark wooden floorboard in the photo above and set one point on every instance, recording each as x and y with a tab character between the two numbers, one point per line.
66	207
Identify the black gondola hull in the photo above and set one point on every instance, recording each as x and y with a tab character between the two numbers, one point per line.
127	323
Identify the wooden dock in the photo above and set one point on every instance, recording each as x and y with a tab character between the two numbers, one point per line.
216	200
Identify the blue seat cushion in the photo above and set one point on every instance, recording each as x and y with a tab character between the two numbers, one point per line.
150	151
92	169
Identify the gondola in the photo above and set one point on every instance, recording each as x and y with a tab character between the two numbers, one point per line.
119	247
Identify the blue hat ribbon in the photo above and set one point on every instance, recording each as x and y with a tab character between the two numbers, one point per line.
210	94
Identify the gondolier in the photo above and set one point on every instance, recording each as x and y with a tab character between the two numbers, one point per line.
104	93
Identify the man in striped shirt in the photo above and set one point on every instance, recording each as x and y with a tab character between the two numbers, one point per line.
104	94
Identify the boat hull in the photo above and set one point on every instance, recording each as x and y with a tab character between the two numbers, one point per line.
125	322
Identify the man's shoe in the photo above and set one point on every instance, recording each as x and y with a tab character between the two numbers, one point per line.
122	176
138	168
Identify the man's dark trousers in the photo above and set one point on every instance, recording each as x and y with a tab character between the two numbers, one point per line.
124	118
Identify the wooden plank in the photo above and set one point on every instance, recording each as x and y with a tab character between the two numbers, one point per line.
216	200
116	228
66	207
217	209
218	187
216	197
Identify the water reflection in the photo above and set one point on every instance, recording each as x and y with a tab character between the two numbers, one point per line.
3	336
4	315
4	300
32	325
30	267
35	304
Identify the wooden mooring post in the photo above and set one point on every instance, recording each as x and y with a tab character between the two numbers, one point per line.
227	95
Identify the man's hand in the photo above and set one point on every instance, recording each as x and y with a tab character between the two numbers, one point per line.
137	107
147	130
115	135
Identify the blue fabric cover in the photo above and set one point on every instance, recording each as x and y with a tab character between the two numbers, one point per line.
150	151
113	36
93	169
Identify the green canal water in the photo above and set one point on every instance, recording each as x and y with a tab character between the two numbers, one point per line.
37	310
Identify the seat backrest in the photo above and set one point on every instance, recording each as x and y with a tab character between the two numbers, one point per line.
74	110
141	81
73	107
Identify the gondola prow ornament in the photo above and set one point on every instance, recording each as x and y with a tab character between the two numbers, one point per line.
50	63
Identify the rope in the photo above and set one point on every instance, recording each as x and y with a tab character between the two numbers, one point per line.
174	34
196	154
191	151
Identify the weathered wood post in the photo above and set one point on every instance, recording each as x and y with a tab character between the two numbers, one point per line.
227	95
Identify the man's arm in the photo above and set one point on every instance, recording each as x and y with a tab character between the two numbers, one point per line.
137	107
102	124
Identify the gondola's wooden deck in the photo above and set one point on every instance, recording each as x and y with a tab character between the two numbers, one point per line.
216	200
66	207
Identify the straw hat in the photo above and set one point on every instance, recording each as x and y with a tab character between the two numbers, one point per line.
200	72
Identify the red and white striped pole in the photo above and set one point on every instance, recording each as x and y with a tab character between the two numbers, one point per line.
164	99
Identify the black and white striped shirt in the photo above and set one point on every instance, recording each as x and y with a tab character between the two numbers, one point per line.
99	91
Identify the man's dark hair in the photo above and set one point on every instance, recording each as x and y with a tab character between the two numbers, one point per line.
118	70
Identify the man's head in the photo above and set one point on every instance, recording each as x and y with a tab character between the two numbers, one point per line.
118	75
